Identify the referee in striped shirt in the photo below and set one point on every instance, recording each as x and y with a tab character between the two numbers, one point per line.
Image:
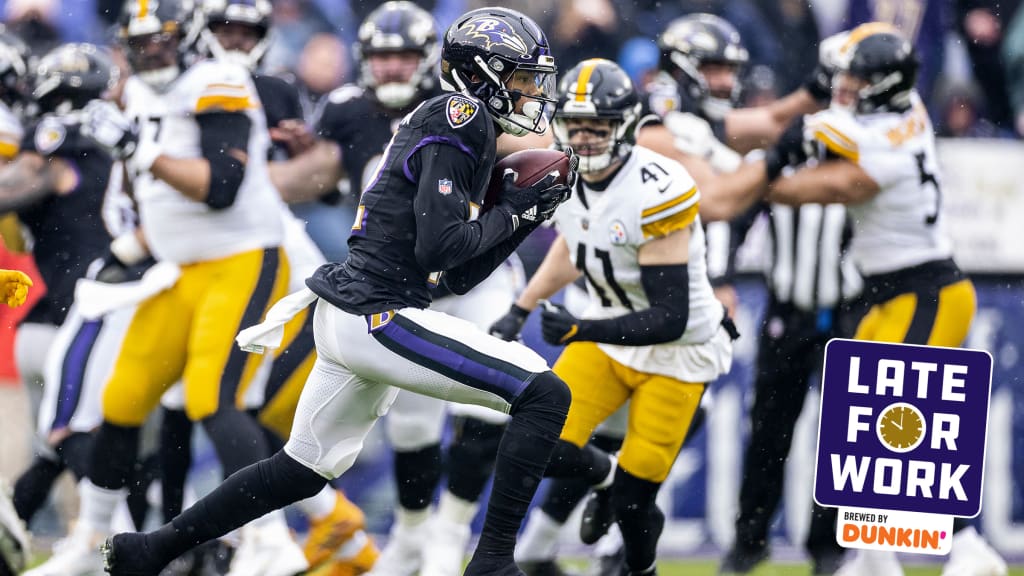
812	290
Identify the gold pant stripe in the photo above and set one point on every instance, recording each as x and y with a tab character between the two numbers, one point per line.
660	411
187	332
942	319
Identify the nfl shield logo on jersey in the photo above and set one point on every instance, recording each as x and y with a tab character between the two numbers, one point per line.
460	110
617	233
444	186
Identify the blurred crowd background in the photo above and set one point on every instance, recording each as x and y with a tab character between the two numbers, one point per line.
972	51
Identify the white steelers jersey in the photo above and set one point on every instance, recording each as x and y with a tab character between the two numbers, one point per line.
902	226
650	197
177	228
11	133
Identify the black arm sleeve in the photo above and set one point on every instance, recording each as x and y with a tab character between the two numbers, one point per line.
445	237
219	133
668	290
465	276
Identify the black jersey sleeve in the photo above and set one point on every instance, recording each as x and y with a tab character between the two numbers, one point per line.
445	236
280	99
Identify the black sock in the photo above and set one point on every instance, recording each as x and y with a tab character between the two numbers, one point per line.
538	415
471	456
417	473
74	452
33	486
246	495
146	471
237	439
565	494
175	455
639	518
114	451
571	461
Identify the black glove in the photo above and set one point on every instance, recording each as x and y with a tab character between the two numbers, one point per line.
558	325
790	150
819	83
510	325
526	203
552	197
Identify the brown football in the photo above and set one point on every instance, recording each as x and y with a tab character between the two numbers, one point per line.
531	166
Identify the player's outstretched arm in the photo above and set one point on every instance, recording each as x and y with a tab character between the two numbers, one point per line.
309	175
31	177
749	128
833	181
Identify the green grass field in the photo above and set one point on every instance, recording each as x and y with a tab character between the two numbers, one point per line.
707	568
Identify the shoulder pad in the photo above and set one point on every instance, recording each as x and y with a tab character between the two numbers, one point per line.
345	93
671	201
218	86
837	131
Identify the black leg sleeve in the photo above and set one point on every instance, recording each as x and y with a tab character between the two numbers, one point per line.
471	456
114	451
639	518
246	495
74	452
175	454
565	494
417	473
33	486
571	461
237	439
538	415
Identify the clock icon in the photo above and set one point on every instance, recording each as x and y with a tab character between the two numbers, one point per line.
901	427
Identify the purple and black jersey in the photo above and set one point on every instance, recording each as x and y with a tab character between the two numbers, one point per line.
416	216
280	101
67	229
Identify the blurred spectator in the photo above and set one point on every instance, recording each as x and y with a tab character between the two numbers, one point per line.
982	22
793	23
961	108
295	23
923	22
760	87
1013	56
639	58
583	29
35	22
323	66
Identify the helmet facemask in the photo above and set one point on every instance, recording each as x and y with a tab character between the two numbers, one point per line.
521	100
395	92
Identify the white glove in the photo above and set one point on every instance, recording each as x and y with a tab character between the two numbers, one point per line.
105	124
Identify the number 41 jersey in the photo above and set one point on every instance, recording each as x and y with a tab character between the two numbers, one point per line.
650	197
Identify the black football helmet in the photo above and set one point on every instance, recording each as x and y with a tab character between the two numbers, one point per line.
70	76
697	39
598	89
158	38
492	54
15	68
254	14
398	26
878	54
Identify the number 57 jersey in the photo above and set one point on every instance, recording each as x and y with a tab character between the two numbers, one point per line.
177	228
650	197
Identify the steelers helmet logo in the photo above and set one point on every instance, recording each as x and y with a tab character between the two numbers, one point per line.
49	136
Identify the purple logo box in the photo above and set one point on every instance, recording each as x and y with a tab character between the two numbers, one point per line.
948	392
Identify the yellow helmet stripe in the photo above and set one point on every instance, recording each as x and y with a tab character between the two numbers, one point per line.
584	78
869	29
143	9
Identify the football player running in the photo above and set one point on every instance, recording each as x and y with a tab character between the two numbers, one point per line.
877	156
654	333
194	145
374	334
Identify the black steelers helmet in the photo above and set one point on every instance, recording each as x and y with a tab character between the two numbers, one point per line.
254	14
70	76
398	26
692	41
491	53
158	36
598	89
878	54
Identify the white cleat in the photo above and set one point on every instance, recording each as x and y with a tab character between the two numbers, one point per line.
268	549
403	554
872	563
972	556
447	550
14	540
76	555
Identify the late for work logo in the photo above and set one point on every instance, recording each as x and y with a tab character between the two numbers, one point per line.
901	442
